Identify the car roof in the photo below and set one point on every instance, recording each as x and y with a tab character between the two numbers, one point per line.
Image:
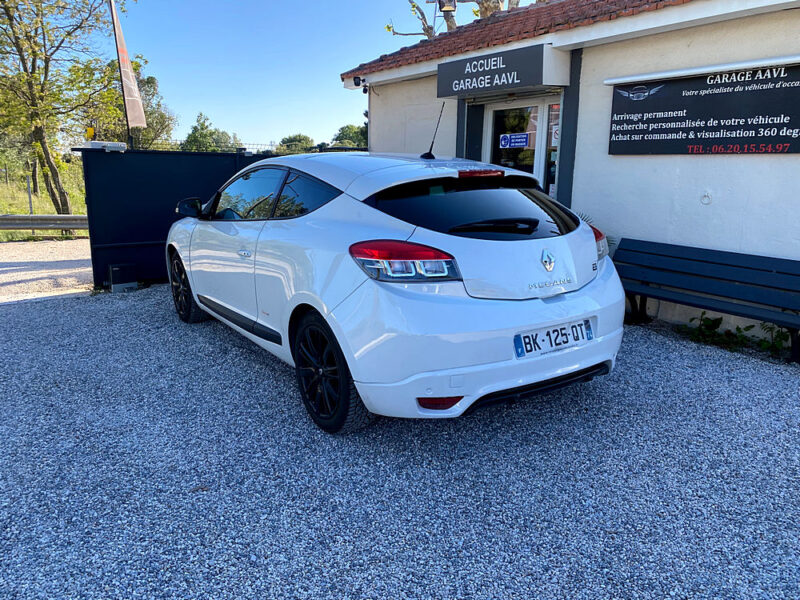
361	174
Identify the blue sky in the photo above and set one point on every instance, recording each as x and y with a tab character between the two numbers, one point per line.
264	69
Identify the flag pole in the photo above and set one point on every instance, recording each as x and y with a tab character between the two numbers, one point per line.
119	64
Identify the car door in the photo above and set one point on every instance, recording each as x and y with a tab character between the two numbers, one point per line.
291	246
223	248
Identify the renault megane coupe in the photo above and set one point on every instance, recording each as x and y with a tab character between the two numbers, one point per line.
400	286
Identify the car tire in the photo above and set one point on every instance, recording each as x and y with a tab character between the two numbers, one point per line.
185	305
324	380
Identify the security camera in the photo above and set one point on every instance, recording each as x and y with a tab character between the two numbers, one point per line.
366	89
357	81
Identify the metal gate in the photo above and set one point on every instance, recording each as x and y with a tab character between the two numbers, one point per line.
130	204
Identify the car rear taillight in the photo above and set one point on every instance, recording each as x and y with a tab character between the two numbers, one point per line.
399	261
439	403
602	242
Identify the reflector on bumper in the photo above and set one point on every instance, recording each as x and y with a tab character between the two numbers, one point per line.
439	403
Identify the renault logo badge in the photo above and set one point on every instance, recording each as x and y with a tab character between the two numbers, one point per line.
548	260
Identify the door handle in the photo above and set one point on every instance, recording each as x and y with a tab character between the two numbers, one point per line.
245	253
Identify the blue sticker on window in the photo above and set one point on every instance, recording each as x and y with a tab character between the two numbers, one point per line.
515	140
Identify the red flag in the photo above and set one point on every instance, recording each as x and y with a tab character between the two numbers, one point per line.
134	111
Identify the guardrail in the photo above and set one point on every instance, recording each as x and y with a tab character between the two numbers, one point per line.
8	222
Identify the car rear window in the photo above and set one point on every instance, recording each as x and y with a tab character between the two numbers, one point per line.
491	208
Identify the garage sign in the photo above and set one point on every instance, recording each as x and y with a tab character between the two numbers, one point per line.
754	111
490	73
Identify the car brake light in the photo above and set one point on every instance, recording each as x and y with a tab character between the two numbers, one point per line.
481	173
439	403
399	261
602	242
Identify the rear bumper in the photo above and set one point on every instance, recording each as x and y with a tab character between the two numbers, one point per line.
543	387
407	342
493	382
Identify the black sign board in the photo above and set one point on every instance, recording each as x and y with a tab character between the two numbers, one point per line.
513	69
755	111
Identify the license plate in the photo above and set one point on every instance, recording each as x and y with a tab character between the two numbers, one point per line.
549	339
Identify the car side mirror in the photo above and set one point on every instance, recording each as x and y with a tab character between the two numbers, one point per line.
189	207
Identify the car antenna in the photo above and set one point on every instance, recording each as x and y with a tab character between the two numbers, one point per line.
429	154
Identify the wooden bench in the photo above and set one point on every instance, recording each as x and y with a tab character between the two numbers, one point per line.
757	287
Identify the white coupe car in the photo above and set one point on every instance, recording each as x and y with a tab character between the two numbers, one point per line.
400	286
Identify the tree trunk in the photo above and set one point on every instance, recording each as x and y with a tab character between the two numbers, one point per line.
48	184
35	176
58	195
486	8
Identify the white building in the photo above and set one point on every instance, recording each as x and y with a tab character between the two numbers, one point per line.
674	121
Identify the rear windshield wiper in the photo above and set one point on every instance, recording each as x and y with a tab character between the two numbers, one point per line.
521	226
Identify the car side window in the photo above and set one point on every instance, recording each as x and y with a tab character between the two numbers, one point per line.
302	194
250	197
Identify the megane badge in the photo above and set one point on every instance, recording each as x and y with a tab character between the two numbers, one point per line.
548	260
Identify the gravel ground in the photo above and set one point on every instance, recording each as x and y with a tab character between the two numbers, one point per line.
40	269
144	458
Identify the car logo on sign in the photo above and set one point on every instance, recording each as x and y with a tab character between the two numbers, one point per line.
548	260
640	92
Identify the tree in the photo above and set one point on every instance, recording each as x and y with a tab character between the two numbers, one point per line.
108	111
351	135
14	156
15	142
485	8
295	144
47	63
205	138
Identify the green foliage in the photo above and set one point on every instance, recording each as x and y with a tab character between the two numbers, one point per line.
205	138
778	339
13	156
14	198
107	113
351	135
48	73
295	144
708	332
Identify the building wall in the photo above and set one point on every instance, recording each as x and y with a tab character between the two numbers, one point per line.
403	118
740	203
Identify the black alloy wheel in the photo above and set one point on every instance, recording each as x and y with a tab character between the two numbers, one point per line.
320	378
326	386
185	306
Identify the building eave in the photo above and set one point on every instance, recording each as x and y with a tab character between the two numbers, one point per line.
669	18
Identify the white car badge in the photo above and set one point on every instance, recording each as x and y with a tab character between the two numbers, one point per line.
548	260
